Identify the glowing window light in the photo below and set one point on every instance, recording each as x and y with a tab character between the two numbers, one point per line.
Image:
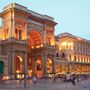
32	47
17	71
77	59
72	58
60	48
30	72
67	45
64	43
49	61
18	75
41	45
86	60
38	62
20	58
70	43
38	46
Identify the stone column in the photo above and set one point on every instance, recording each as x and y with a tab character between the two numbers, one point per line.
33	59
53	65
13	63
10	62
44	58
44	33
11	24
25	68
73	67
13	29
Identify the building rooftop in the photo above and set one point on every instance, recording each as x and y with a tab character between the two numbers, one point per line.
66	34
25	9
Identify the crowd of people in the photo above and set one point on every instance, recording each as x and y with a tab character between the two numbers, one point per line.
69	78
66	78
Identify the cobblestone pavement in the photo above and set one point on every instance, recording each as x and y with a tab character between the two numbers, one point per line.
45	85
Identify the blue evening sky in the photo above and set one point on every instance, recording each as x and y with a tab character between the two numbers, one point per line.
72	16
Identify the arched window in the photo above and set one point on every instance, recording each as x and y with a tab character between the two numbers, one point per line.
35	39
18	33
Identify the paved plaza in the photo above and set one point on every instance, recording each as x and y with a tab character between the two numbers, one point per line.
43	84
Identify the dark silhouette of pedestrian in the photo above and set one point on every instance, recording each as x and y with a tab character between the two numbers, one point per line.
54	79
73	79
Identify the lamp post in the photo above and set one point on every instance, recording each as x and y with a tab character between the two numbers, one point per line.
25	65
25	72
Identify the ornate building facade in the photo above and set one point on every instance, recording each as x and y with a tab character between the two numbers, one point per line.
28	45
73	54
27	42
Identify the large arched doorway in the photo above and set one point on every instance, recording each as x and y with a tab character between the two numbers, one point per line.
1	67
49	67
35	39
35	42
18	67
38	68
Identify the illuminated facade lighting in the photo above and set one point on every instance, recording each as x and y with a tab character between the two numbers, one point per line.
76	52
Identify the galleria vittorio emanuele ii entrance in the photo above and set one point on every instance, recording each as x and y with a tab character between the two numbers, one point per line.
29	47
38	63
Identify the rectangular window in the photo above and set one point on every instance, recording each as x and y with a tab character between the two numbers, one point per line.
20	34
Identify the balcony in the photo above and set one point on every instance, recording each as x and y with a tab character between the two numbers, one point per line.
13	40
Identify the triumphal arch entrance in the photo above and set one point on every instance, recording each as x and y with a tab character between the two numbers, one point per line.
28	41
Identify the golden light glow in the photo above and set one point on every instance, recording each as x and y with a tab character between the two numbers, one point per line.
85	60
32	47
50	61
18	74
17	71
66	45
6	78
23	36
20	58
80	59
38	46
30	73
70	43
3	34
60	48
72	58
38	62
41	45
52	43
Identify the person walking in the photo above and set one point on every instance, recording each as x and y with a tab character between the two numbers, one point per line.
54	79
34	79
73	79
68	77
